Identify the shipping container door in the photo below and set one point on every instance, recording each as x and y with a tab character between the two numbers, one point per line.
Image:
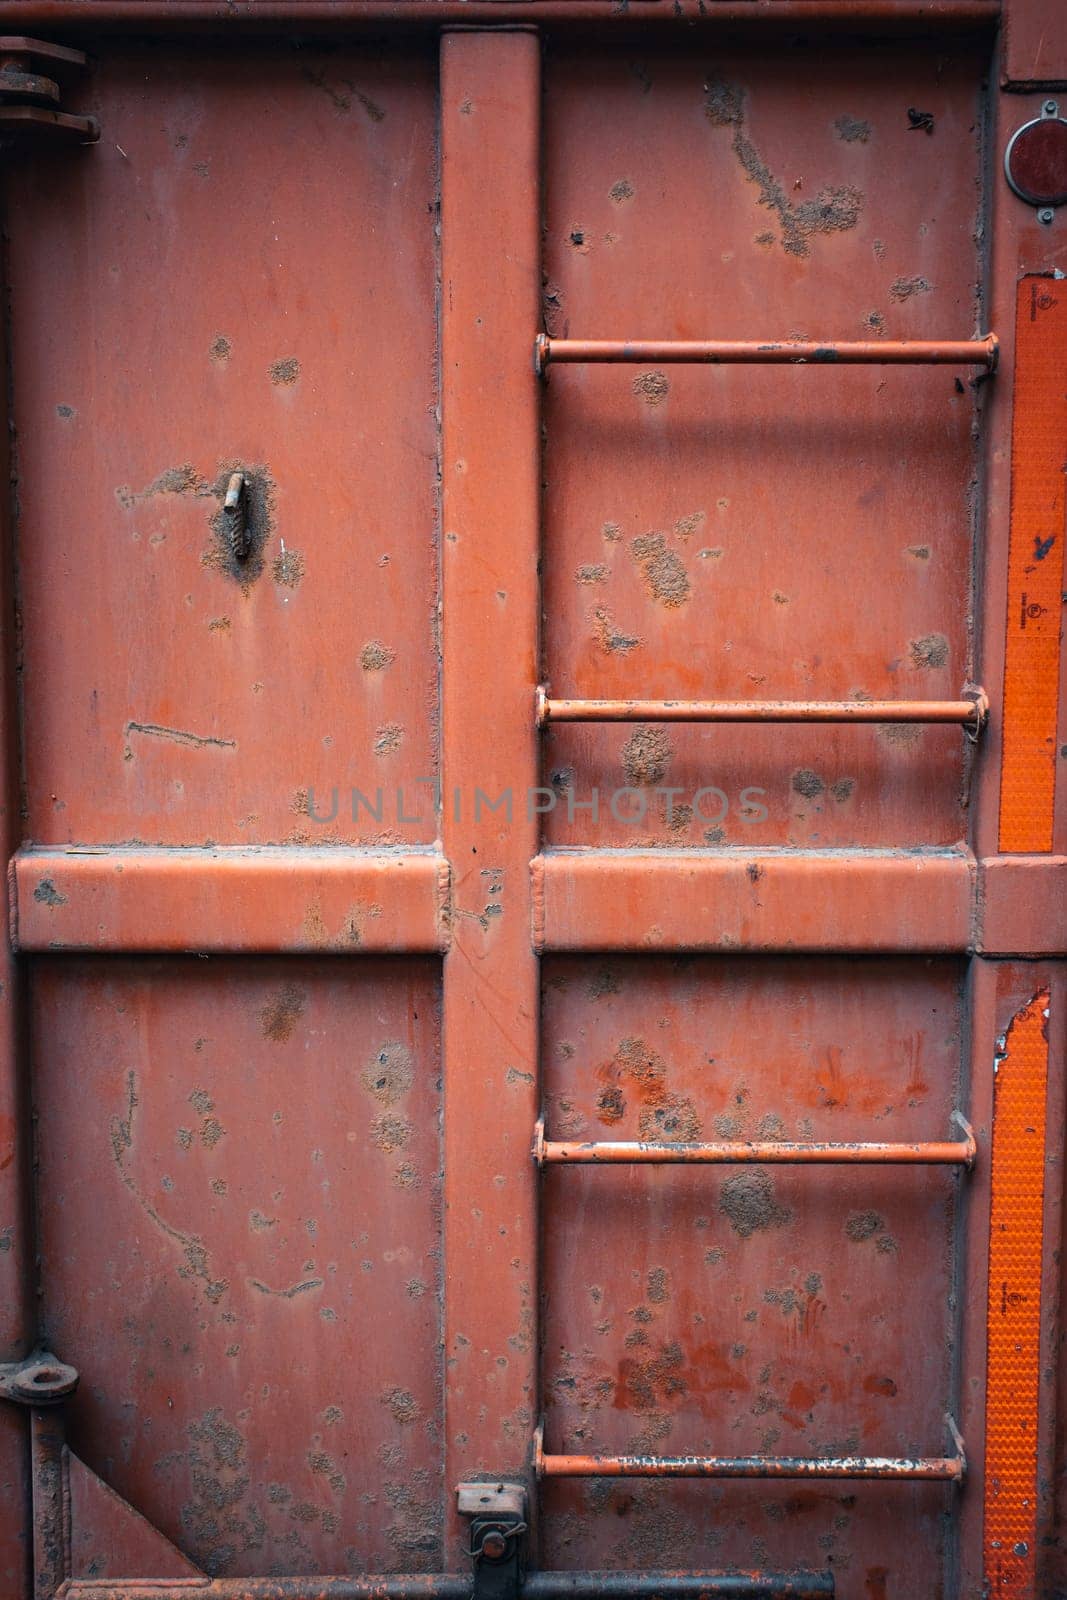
534	569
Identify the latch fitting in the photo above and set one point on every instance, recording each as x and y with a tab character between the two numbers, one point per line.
38	1380
497	1513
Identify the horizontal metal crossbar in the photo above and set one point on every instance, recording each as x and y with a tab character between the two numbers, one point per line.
959	1153
766	352
969	712
589	1585
947	1469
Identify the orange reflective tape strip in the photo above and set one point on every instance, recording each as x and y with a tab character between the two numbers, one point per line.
1014	1320
1035	566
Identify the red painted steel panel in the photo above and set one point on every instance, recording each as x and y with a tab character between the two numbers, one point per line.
289	1222
751	533
232	901
756	1309
239	1193
718	900
254	238
490	136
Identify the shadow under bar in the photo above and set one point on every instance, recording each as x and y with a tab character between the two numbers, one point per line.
764	1152
764	352
963	712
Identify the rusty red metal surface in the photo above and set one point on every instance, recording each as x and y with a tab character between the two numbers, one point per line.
511	919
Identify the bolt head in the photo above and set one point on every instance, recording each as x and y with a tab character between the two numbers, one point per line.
1046	214
494	1545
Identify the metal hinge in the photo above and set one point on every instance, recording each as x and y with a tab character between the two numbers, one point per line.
33	76
498	1528
38	1380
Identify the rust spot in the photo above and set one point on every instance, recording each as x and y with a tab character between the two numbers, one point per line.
391	1132
287	569
611	1104
862	1225
904	288
646	756
672	1118
770	1127
748	1202
658	1290
807	783
853	130
622	190
285	371
883	1386
552	308
591	574
390	1074
281	1016
221	348
644	1385
402	1404
842	789
611	639
652	387
921	552
211	1132
66	412
47	894
219	1522
685	526
611	532
664	573
375	656
900	732
930	651
388	739
219	625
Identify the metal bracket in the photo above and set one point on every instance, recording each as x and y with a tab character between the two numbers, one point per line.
38	1380
31	74
498	1526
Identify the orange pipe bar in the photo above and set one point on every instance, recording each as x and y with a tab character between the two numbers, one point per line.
714	352
948	1468
619	1153
949	711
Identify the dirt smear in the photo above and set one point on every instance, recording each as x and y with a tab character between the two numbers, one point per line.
833	210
